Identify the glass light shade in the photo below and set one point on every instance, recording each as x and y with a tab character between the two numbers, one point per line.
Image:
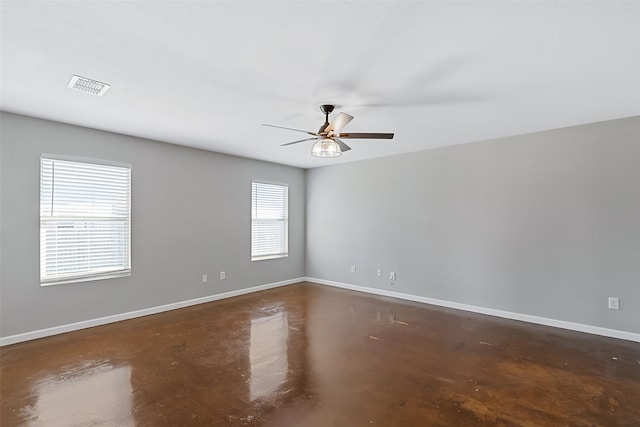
326	148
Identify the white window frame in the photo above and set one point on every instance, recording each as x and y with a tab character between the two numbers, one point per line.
85	234
258	214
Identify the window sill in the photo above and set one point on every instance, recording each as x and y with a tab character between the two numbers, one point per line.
113	275
265	257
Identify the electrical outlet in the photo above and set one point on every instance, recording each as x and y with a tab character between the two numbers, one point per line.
204	278
614	303
392	275
379	272
353	268
222	275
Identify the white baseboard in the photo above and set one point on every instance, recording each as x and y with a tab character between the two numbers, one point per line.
41	333
596	330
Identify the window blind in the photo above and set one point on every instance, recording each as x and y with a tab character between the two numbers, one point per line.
85	224
269	221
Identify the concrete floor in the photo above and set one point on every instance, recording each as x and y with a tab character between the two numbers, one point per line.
309	355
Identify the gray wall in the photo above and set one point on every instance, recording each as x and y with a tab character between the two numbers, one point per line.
545	224
190	215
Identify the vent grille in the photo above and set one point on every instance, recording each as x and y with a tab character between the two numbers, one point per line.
87	85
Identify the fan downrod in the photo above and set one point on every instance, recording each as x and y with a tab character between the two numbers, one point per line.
326	109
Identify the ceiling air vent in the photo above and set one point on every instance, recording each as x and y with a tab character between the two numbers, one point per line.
87	85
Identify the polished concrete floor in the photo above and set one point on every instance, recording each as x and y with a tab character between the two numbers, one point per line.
308	355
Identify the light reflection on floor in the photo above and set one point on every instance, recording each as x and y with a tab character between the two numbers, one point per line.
89	396
307	355
268	355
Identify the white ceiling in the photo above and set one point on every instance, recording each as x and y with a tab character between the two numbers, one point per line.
207	74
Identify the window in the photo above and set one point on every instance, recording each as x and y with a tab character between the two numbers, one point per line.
269	221
85	221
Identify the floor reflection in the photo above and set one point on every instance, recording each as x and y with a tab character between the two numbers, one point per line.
90	395
268	355
306	355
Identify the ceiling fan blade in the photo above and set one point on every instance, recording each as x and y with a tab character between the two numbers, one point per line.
297	130
343	147
366	135
339	122
295	142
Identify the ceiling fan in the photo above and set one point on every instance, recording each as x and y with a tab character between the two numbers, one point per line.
329	137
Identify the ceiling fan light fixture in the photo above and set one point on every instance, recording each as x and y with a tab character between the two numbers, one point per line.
328	140
326	148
